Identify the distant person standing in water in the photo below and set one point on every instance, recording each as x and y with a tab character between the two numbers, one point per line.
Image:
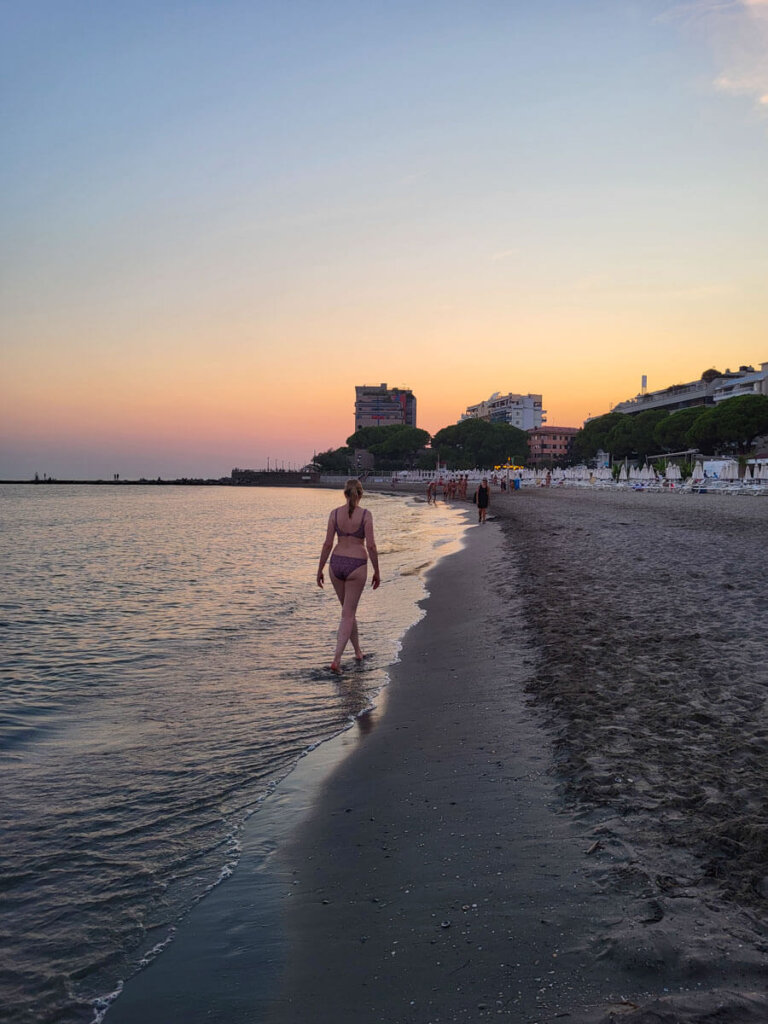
353	528
483	500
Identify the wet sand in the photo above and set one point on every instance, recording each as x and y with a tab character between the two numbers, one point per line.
561	814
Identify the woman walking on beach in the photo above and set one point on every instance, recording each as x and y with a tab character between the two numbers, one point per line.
353	528
483	500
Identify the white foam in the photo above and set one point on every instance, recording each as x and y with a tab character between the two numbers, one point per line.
157	949
103	1003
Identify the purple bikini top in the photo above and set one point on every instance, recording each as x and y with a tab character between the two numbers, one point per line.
359	532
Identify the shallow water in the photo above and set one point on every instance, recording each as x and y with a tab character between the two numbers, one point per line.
163	669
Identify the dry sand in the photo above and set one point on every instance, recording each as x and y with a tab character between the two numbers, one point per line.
649	613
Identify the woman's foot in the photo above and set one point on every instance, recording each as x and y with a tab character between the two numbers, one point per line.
336	667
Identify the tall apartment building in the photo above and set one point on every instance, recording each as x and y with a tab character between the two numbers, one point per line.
376	405
522	411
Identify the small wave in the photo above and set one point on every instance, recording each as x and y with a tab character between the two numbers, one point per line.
157	949
103	1003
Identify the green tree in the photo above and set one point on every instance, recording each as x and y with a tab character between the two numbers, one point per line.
367	437
734	423
644	426
401	448
476	443
703	433
426	459
335	460
620	442
594	435
394	447
671	434
709	375
633	436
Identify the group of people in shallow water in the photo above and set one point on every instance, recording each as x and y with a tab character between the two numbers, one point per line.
350	527
456	487
449	487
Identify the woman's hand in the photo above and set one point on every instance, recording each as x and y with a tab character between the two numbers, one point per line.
320	579
376	581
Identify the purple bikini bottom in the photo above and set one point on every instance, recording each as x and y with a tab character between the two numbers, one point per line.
342	566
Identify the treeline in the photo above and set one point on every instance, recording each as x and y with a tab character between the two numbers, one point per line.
730	427
460	446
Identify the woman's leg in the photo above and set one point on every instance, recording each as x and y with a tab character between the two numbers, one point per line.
338	586
348	592
354	639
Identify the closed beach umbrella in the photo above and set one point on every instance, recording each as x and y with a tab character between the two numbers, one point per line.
623	473
747	474
698	471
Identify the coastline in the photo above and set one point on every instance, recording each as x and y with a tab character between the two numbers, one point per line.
466	863
436	880
233	932
474	855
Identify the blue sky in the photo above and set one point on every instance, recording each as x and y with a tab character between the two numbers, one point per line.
209	206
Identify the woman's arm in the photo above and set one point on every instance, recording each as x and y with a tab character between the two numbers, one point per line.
373	553
326	549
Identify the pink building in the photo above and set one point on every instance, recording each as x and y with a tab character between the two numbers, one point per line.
550	446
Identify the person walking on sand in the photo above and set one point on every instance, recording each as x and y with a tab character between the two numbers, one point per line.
482	499
355	544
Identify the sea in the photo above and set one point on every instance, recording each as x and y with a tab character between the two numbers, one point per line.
164	667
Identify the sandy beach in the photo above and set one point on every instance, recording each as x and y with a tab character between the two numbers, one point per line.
560	813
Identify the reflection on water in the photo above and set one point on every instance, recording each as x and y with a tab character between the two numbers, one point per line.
357	701
164	667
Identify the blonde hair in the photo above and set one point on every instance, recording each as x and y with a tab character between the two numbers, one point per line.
353	489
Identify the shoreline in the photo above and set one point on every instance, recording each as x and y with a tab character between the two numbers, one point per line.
437	880
632	928
236	924
479	853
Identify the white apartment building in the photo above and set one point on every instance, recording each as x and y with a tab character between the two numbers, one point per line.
755	383
730	384
521	411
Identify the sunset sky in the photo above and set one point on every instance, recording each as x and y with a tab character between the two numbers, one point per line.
218	216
